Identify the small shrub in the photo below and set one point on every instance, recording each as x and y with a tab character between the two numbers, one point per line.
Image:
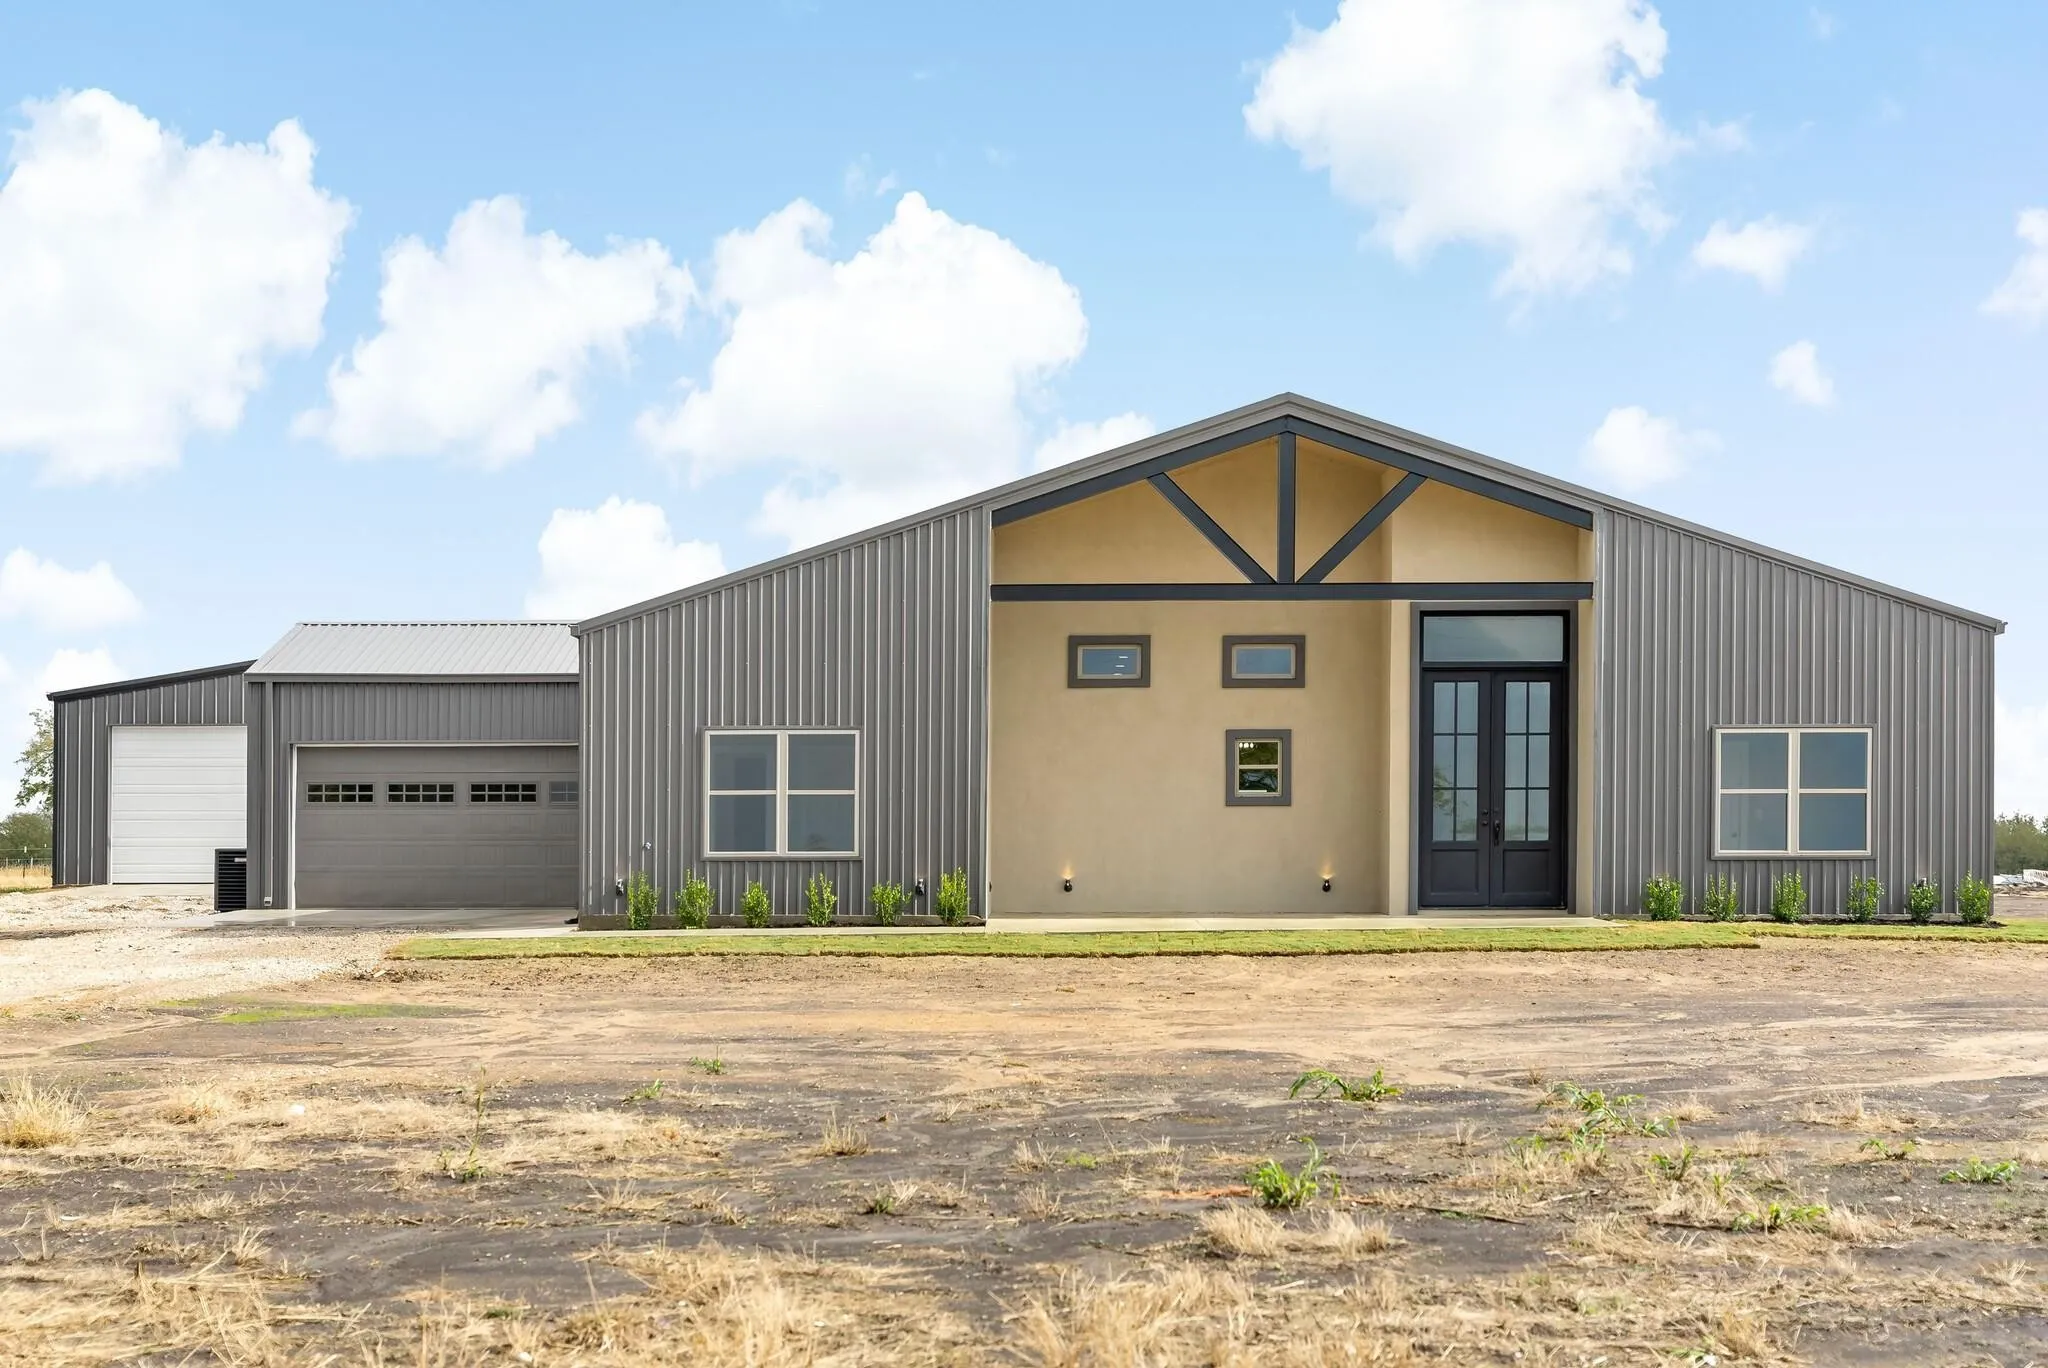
646	1092
755	909
693	902
1865	896
1978	1171
641	900
1676	1164
1277	1187
1879	1147
1609	1114
1721	900
821	901
1973	901
953	903
1782	1215
1325	1082
1663	899
1923	900
887	901
1788	898
710	1064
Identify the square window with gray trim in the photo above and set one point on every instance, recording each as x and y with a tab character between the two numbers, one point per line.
1265	662
561	793
1791	791
794	793
1258	767
1109	662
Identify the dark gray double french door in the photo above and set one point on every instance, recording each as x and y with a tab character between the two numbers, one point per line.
1493	826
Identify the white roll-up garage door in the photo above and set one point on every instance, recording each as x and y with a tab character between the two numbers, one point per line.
174	796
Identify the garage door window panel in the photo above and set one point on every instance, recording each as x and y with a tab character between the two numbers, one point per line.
341	793
782	793
419	793
500	792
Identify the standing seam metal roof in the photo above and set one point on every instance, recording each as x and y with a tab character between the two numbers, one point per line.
422	650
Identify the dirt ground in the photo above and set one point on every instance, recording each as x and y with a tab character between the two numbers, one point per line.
955	1161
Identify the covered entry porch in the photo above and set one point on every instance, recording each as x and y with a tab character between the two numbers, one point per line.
1288	674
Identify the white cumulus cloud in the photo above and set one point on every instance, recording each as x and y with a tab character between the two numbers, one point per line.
894	379
485	343
74	669
1634	449
2021	780
1796	371
2024	293
595	559
1518	124
60	600
1763	250
1073	441
145	281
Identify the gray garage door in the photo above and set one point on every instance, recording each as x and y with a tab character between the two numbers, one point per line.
436	826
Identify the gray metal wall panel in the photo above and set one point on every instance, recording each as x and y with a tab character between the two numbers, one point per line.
1696	634
283	714
79	766
888	636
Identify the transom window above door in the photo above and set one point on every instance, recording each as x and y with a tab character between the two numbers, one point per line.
1792	791
1493	639
777	793
1264	662
1258	767
1109	662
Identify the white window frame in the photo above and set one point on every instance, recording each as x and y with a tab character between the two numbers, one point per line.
781	794
1792	792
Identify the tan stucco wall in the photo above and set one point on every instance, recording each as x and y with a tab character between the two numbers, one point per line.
1122	789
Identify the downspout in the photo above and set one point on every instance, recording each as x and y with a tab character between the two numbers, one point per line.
269	789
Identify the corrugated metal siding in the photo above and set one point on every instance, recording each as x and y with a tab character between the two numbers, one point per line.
283	714
1694	634
79	765
888	636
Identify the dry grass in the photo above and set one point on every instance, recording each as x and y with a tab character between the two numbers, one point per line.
1247	1232
841	1139
16	878
1850	1111
37	1116
1243	1232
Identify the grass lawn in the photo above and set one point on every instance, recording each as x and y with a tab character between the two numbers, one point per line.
1111	944
1108	944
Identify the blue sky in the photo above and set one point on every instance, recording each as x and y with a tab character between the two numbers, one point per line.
1128	216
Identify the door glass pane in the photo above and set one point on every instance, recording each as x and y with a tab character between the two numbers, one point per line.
1468	706
1516	823
1516	755
1831	821
1442	812
742	823
1539	706
1832	760
1518	706
821	761
1539	761
1444	712
1539	814
821	821
1466	827
742	762
1444	772
1753	760
1468	762
1522	638
1753	821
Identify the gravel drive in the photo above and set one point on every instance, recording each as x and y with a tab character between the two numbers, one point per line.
68	949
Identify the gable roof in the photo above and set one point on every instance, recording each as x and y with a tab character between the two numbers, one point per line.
422	650
1206	437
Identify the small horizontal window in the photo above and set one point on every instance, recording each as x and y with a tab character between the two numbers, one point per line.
1264	662
562	792
1257	768
419	793
497	792
341	793
1109	662
1792	791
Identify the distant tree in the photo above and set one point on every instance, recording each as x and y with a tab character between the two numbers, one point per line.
2021	843
36	756
25	836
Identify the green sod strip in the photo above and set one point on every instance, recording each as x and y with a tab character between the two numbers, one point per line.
2013	933
260	1014
1090	945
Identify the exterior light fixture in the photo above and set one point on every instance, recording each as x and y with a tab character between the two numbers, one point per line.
917	889
1326	883
1066	885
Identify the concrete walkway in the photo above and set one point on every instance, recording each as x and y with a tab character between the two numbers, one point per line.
1040	926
